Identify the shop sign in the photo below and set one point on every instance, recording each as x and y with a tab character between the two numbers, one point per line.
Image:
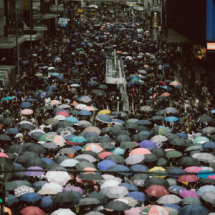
211	46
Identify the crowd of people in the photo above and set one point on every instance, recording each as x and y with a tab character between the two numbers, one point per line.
69	146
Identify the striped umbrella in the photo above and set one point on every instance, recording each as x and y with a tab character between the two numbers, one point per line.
155	210
175	83
92	147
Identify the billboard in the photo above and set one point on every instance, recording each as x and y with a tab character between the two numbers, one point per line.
210	20
211	46
63	22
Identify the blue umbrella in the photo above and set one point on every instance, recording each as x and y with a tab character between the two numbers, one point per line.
175	206
129	186
92	83
130	83
134	78
176	189
46	201
30	100
90	133
76	194
48	160
73	46
143	122
166	87
193	210
60	77
105	164
104	118
30	197
118	151
171	119
139	167
209	144
139	196
147	144
84	113
78	139
48	88
18	166
182	135
25	105
13	131
178	87
68	137
176	172
167	66
120	168
7	98
42	95
205	173
148	133
78	63
83	44
212	111
71	119
118	121
206	188
11	199
39	184
144	72
77	148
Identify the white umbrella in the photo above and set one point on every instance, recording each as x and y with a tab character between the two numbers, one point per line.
54	186
134	159
169	199
159	139
47	192
23	190
63	211
111	183
117	192
80	106
69	162
50	68
58	177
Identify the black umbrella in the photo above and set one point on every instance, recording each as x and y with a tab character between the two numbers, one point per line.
178	142
105	139
63	197
63	124
157	117
27	126
207	180
50	94
141	128
91	177
156	181
88	201
89	152
98	92
35	162
66	151
46	108
5	137
22	159
124	132
117	206
140	177
162	162
7	165
8	121
11	156
60	159
36	148
115	158
98	196
30	154
122	138
131	126
14	148
158	152
91	139
204	118
189	161
150	158
107	146
105	130
139	137
172	136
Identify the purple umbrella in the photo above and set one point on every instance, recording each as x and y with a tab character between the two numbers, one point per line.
148	144
189	193
77	189
34	173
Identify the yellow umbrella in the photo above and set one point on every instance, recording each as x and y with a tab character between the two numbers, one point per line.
157	168
158	173
104	112
39	74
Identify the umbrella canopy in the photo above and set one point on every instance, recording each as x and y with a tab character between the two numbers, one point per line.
155	210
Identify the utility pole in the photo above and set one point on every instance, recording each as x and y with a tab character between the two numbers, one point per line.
17	35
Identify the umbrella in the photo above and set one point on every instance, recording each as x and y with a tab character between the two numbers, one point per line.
168	199
176	189
157	191
31	210
188	161
187	178
117	192
46	201
193	209
64	197
134	159
204	118
209	197
19	191
63	211
34	173
105	164
30	197
117	206
189	193
11	200
139	196
156	181
154	209
25	105
206	188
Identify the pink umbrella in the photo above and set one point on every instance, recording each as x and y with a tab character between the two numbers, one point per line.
212	176
2	154
85	181
187	178
193	169
165	94
27	112
166	150
133	211
103	155
189	193
73	188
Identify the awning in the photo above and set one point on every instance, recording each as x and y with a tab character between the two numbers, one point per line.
175	37
155	9
10	42
36	28
37	16
33	37
49	16
139	8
